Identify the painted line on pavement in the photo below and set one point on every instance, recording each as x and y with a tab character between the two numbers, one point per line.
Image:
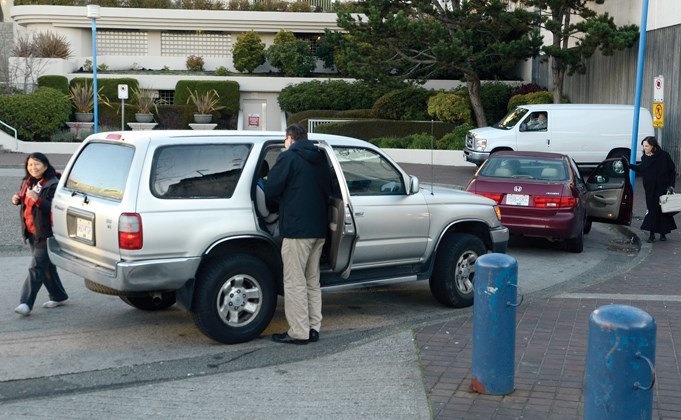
618	296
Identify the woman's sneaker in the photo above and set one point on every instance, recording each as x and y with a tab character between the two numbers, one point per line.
54	303
23	309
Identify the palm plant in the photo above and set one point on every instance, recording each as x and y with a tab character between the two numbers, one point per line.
146	100
83	99
205	102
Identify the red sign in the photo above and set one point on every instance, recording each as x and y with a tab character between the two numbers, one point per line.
254	120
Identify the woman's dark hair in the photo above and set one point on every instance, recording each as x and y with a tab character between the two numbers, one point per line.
49	173
652	141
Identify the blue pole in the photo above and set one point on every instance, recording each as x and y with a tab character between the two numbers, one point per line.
639	83
94	72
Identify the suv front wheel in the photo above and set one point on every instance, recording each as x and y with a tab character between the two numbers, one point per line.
235	299
451	283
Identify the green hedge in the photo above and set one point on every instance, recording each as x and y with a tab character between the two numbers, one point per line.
226	89
329	95
542	97
37	115
410	103
54	81
370	129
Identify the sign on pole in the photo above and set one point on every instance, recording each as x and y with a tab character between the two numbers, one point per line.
658	89
658	115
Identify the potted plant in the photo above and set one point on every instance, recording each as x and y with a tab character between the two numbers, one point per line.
205	103
146	102
83	99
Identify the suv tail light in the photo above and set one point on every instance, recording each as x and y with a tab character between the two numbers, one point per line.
130	231
554	202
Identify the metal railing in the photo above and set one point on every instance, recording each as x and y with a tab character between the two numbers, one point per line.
311	124
16	138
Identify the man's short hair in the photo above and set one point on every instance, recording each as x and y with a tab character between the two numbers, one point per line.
297	132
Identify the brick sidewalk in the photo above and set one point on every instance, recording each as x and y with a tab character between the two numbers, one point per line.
551	344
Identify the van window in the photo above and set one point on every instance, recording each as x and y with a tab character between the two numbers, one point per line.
101	170
197	171
511	119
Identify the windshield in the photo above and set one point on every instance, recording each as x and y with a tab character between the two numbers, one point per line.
511	119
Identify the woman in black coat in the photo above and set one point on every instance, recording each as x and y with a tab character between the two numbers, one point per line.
35	200
659	176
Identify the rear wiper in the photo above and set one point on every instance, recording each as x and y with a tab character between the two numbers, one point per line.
85	199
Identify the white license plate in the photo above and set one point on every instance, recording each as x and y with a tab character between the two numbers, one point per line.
84	228
518	199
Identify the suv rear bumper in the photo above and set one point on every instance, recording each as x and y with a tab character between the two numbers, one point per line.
138	276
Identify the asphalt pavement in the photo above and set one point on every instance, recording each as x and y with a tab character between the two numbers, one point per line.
417	372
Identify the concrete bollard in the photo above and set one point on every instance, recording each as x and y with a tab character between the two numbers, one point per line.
620	371
494	322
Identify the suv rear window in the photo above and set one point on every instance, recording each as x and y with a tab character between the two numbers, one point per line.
101	170
197	171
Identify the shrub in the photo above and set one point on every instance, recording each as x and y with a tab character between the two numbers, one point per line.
456	139
61	83
526	88
450	107
195	63
331	94
542	97
292	56
221	71
36	115
410	103
248	52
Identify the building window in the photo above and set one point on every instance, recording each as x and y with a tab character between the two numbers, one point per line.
166	97
204	44
122	42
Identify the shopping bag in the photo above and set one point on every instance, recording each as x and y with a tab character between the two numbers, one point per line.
670	203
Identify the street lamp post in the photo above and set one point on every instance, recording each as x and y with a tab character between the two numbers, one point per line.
93	12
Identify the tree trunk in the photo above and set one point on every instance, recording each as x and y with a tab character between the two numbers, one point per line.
473	83
558	75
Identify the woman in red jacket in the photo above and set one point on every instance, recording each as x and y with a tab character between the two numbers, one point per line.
35	198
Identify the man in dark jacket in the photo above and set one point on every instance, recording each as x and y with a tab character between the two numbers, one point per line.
299	184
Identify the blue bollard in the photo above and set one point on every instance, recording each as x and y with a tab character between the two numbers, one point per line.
494	321
620	371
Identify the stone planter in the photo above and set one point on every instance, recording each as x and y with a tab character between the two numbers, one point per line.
142	117
84	116
203	118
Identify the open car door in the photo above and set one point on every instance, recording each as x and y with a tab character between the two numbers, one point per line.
343	233
610	196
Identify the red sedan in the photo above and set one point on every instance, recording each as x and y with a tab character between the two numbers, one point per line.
544	194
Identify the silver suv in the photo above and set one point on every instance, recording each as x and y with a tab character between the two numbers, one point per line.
165	217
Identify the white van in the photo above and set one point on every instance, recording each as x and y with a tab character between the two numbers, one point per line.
587	133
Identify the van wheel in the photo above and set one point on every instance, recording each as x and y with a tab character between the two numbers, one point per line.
149	302
452	281
234	299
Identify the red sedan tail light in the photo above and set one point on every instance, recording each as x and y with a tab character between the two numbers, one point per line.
554	202
494	196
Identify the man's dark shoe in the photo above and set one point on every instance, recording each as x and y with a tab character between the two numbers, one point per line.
314	336
663	238
651	239
285	338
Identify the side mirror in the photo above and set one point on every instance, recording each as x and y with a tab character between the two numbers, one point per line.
414	186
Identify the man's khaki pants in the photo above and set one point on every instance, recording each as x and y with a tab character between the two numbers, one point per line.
302	295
